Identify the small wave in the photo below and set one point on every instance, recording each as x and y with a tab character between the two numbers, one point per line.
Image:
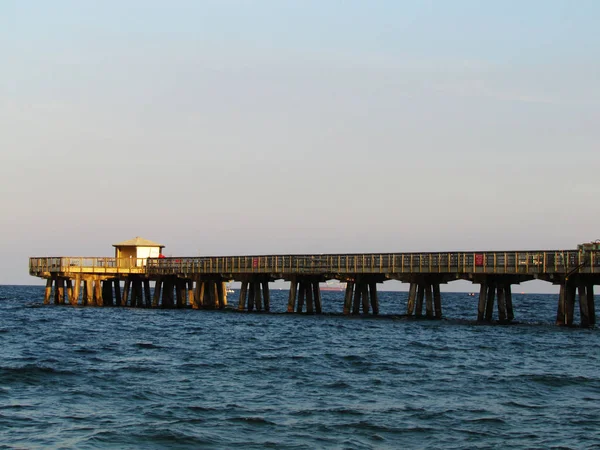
252	420
146	345
522	405
558	380
86	351
31	373
338	385
486	420
201	408
347	412
16	407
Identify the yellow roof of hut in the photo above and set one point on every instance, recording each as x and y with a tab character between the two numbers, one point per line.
138	242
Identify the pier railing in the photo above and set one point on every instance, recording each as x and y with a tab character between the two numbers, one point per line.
86	264
527	263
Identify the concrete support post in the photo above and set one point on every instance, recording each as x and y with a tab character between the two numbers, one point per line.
364	294
117	284
243	296
126	288
70	292
251	296
591	304
560	313
510	315
157	291
348	297
429	300
147	294
583	305
489	307
301	296
501	303
317	297
60	291
98	300
266	295
308	289
357	295
107	293
48	291
482	301
437	300
570	295
221	292
89	293
420	297
412	296
292	296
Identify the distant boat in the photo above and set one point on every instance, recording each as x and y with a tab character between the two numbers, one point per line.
333	286
229	289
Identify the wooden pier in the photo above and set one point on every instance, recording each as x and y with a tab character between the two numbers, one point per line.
200	282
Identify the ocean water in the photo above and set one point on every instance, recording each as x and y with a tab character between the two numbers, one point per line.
136	378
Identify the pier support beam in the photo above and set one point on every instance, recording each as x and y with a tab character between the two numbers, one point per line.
304	293
357	295
292	295
489	307
412	297
157	291
317	297
560	313
147	296
420	297
301	296
117	283
348	297
251	296
437	300
425	290
501	303
429	300
167	293
510	315
126	288
591	303
266	296
482	301
88	292
98	300
578	285
199	294
584	313
308	292
107	293
361	294
72	301
48	291
59	291
244	296
495	289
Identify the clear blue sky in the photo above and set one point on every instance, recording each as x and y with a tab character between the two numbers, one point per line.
226	127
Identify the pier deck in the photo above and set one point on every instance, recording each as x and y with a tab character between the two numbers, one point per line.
200	281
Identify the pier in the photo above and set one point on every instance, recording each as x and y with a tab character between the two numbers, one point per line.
200	282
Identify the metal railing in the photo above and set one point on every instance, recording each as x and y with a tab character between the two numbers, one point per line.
525	262
521	262
86	264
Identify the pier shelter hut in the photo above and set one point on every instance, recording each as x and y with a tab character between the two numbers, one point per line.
134	252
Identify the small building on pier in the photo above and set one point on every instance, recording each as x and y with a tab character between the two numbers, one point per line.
137	250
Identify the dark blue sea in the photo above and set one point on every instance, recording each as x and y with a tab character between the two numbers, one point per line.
85	377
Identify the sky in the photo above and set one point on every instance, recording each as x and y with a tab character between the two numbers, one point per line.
227	127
